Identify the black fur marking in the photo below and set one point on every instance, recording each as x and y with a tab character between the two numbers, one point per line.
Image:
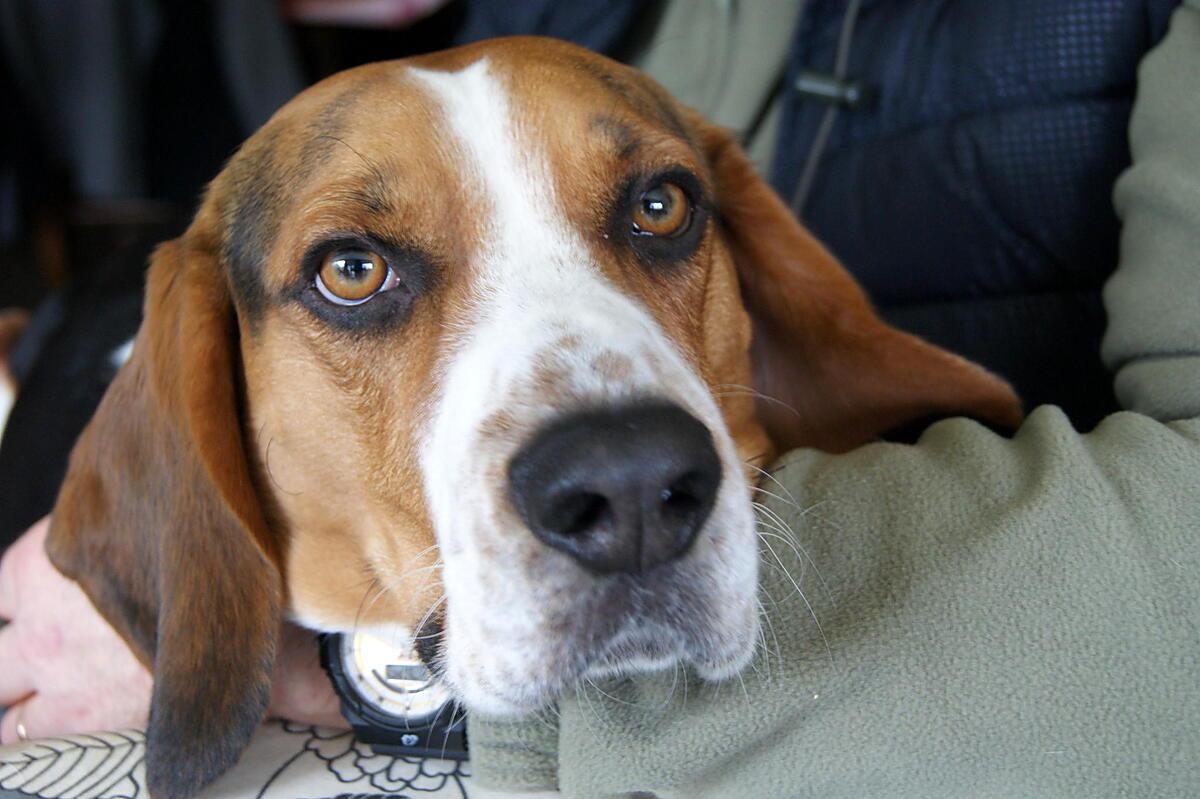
428	642
626	141
259	186
653	105
251	222
330	125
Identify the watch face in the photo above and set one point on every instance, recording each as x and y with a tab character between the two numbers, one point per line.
388	676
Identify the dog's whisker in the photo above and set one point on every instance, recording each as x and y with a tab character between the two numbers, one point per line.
373	583
381	591
417	634
270	473
786	539
456	716
424	551
736	389
788	536
391	586
544	716
371	165
582	693
674	685
770	518
400	578
766	527
609	696
768	475
767	626
745	691
771	494
685	687
800	592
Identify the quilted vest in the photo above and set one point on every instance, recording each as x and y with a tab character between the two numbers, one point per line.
968	185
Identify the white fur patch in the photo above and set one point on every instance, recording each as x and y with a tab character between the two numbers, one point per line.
541	301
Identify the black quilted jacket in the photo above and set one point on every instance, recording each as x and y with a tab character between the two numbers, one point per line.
972	193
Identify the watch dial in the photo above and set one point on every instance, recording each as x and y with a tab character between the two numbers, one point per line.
388	676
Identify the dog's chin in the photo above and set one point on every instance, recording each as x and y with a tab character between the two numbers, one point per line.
626	656
719	669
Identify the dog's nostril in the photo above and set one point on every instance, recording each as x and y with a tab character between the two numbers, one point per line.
577	514
619	490
683	498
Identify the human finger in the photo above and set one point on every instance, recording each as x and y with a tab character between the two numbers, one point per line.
13	726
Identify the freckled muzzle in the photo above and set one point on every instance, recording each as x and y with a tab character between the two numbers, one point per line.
620	490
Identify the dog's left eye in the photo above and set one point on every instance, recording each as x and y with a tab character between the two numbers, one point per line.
663	210
352	276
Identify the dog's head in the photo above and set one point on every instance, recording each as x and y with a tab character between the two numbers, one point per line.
485	344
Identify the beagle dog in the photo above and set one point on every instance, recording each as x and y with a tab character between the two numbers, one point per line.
488	344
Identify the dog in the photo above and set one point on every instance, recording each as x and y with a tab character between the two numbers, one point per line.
489	344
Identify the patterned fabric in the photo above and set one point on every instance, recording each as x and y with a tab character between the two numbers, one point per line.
284	761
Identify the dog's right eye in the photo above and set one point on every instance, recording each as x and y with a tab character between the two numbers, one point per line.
352	276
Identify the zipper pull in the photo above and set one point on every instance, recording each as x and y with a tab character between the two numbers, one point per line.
832	90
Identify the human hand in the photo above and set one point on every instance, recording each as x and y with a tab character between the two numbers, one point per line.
64	670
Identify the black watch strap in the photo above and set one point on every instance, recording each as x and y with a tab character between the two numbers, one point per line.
443	736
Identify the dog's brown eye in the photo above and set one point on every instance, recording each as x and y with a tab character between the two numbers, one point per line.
662	211
350	277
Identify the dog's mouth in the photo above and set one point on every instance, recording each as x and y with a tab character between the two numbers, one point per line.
663	625
686	612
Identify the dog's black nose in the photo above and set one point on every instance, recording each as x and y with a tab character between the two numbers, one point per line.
620	490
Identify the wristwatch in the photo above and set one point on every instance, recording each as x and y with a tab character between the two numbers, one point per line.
392	701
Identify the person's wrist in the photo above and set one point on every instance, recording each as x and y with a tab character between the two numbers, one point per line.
301	690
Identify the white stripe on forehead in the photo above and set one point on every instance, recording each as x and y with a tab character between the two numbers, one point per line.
524	224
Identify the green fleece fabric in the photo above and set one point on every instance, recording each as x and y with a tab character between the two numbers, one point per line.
1153	300
979	617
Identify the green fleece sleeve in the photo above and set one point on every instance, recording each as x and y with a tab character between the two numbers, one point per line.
1153	301
515	755
970	616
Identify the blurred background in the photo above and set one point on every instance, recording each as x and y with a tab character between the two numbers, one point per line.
119	111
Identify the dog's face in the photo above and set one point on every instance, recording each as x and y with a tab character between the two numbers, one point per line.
470	346
541	251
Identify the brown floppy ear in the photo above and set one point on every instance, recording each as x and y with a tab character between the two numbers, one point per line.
159	521
838	376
